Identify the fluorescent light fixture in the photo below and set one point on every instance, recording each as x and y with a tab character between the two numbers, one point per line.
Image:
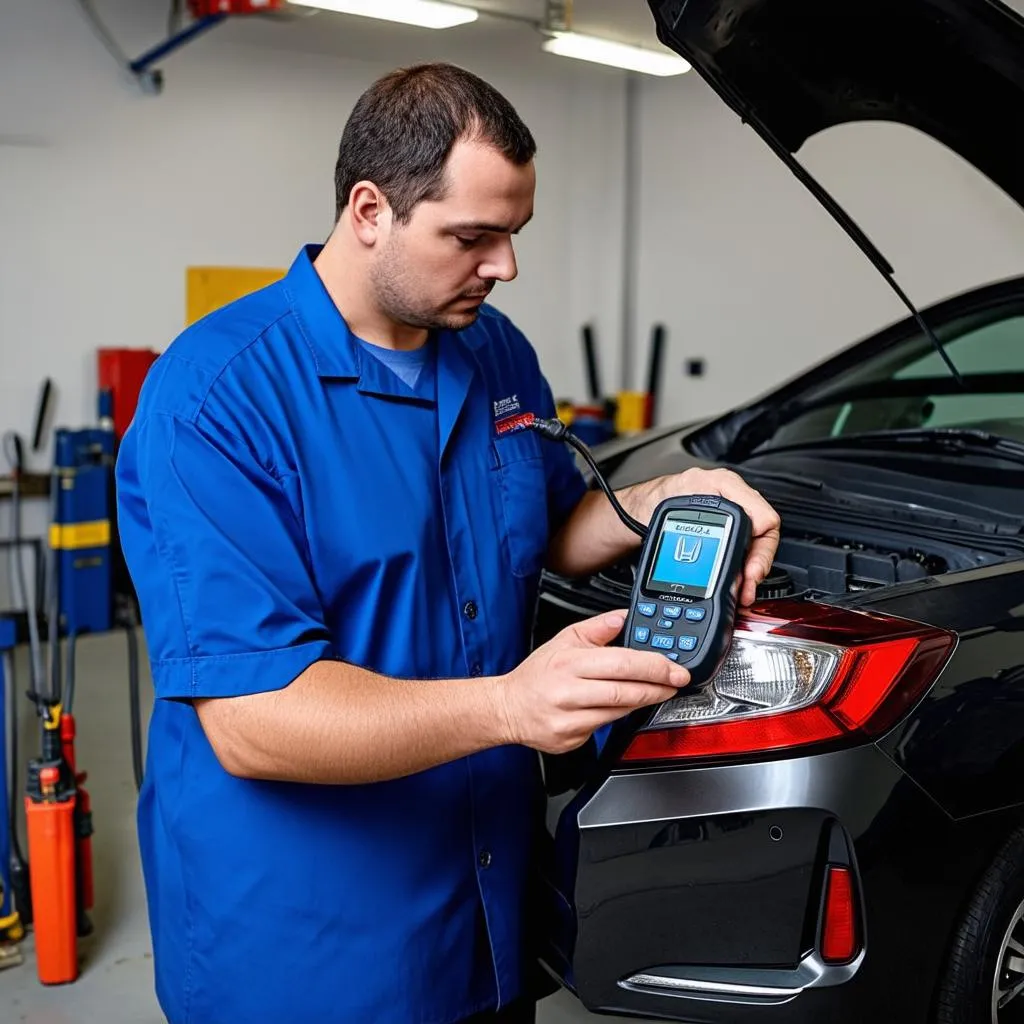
424	13
618	55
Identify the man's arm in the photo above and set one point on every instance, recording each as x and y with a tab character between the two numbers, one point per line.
337	723
593	536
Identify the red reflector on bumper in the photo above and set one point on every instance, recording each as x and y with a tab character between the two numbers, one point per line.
839	943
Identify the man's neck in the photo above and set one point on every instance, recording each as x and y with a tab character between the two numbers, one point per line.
351	293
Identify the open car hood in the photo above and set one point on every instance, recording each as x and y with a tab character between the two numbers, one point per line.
792	68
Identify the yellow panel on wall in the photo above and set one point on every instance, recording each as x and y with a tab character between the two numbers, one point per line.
209	288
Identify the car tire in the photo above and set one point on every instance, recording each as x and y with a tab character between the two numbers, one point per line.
995	913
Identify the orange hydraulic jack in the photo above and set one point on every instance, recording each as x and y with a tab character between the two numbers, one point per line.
58	821
83	826
49	818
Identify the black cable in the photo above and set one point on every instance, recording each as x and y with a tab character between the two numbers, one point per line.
53	618
14	451
556	430
69	678
12	717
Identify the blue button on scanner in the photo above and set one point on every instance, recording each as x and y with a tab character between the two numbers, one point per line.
641	634
687	643
671	611
647	608
665	624
696	614
665	642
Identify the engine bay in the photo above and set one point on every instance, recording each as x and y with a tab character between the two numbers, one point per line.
818	558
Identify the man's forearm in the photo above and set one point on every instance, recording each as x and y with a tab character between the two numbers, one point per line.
594	536
340	724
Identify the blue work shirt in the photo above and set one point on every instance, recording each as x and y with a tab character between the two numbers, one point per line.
284	497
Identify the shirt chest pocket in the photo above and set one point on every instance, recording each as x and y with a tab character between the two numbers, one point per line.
522	487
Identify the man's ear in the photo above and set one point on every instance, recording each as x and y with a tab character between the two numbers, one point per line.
369	211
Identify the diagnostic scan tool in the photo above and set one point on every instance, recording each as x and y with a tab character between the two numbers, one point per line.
688	581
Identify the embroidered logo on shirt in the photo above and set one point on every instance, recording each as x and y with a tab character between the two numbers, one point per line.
506	406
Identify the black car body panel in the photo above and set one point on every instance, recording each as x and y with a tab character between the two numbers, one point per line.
965	744
715	874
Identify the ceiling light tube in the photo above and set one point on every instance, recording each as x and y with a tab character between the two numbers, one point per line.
424	13
618	55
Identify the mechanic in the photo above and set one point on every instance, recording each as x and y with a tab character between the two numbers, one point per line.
337	558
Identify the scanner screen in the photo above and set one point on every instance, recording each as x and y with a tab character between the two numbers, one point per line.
689	553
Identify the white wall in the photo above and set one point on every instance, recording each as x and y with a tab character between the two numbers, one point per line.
233	164
749	272
107	194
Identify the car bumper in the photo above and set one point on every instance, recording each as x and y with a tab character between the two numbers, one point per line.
699	891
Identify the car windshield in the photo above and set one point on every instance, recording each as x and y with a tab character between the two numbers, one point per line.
909	387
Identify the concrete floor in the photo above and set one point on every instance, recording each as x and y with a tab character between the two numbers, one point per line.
116	983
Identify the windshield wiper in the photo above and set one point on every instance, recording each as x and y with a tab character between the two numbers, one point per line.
762	428
959	440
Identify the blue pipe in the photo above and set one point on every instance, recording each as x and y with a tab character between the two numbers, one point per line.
178	39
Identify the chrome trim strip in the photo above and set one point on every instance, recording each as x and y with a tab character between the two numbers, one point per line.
742	984
710	987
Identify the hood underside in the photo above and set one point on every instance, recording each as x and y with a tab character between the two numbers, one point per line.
953	69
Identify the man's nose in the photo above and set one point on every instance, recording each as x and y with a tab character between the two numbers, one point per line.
501	264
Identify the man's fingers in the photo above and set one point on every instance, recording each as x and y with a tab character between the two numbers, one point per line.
597	631
765	530
613	694
759	564
621	663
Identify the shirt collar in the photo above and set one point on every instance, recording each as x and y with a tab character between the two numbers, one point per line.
338	354
335	351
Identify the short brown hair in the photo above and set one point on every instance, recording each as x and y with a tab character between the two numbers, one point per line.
403	128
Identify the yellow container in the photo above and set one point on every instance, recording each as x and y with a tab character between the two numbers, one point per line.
632	412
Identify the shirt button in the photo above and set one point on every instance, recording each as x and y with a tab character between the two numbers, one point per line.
485	858
477	669
469	609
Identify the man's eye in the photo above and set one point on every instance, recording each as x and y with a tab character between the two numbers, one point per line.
467	242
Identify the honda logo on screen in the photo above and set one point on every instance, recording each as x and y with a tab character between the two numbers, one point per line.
688	549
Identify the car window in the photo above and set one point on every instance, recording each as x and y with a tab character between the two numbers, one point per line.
983	344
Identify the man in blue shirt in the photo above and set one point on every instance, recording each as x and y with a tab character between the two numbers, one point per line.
337	556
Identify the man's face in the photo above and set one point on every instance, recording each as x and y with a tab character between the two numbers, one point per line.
436	270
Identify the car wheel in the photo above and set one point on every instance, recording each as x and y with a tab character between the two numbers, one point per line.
983	982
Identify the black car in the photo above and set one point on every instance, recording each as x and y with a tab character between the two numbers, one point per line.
834	829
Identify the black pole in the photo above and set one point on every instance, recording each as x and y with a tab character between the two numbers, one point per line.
654	370
590	360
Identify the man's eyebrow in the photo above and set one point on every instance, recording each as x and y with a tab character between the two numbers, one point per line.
479	225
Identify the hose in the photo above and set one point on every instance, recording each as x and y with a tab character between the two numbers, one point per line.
53	592
17	857
69	678
14	454
16	564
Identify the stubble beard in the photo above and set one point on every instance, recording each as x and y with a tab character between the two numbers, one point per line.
394	287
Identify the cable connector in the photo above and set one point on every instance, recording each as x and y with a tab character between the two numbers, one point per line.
556	430
553	430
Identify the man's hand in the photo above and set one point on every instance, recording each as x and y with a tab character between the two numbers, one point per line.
764	519
574	684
